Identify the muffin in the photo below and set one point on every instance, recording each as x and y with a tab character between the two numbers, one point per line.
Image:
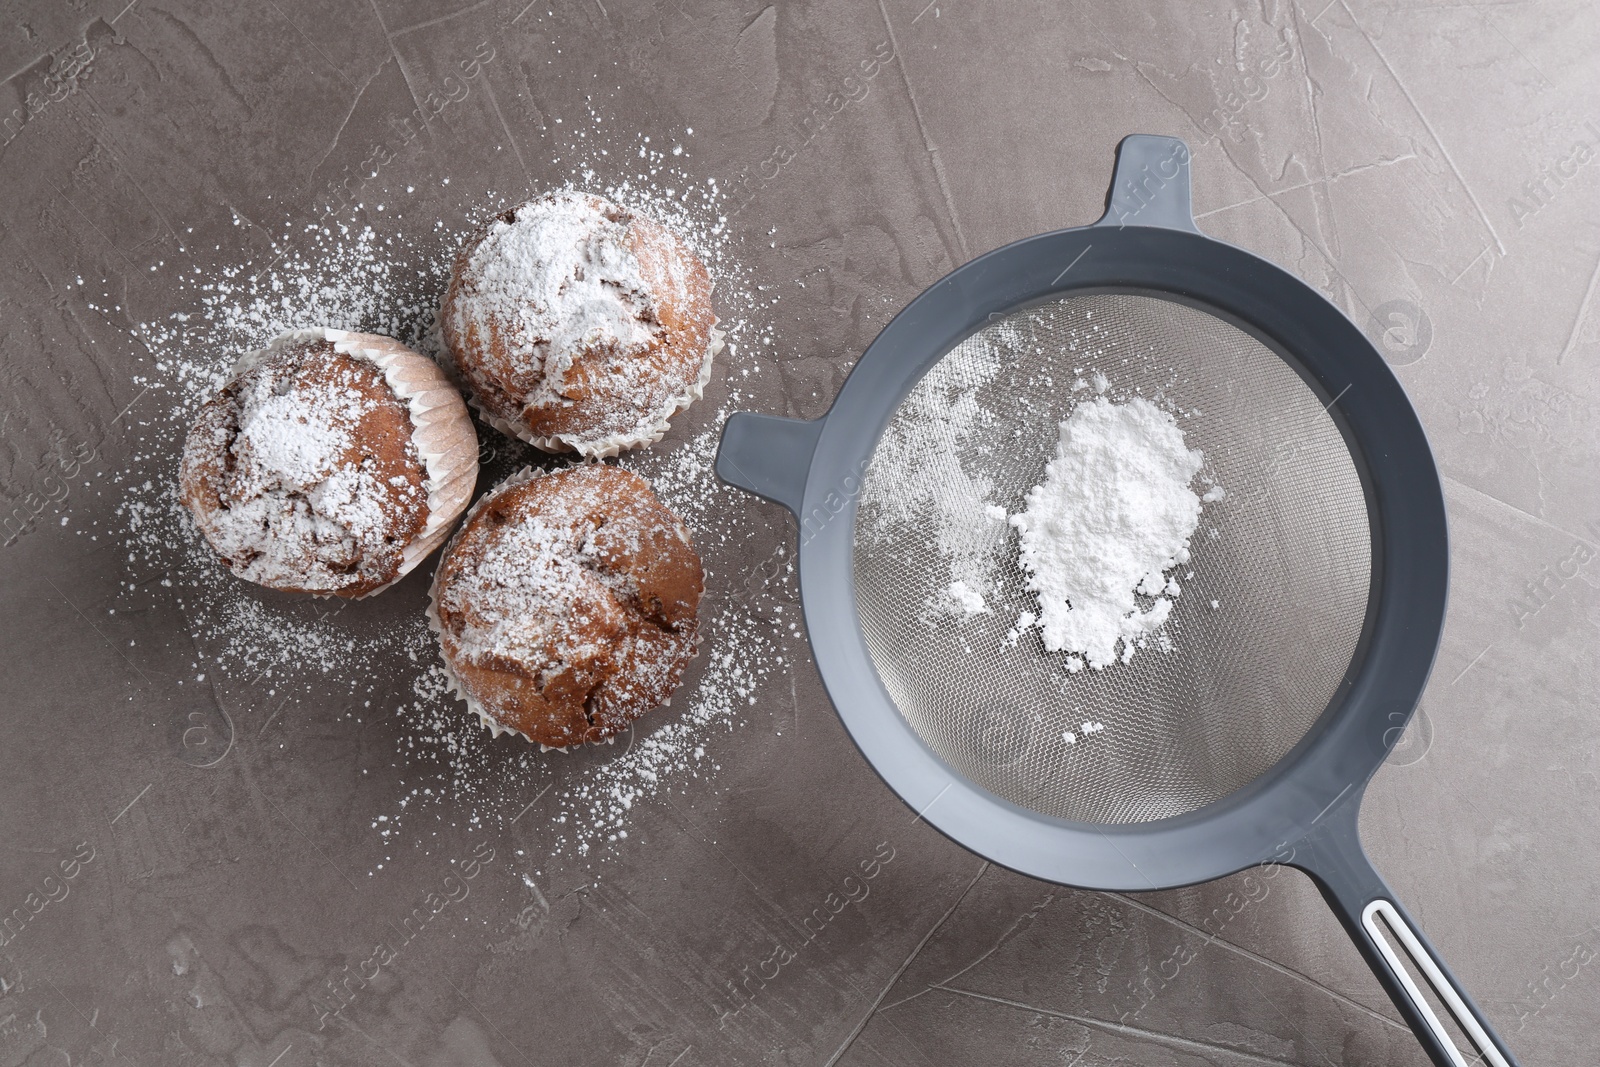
332	463
580	326
566	605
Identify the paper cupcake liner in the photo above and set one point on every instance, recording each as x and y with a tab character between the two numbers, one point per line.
442	430
652	429
452	681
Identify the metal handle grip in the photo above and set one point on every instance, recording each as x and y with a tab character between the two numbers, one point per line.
1151	185
1332	855
768	456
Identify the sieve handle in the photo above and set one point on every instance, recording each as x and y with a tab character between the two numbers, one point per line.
1388	937
1151	185
768	456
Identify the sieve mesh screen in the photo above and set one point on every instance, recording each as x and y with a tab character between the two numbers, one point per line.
1286	554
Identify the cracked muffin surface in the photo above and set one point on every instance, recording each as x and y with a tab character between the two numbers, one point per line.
567	604
302	472
580	325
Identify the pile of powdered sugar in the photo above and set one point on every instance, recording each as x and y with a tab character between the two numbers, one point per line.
1114	513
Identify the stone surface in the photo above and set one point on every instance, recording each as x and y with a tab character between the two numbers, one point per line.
1408	161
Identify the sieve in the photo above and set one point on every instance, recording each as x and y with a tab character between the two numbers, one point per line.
1245	731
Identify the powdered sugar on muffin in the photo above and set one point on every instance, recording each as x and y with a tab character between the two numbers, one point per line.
566	606
441	430
580	325
304	472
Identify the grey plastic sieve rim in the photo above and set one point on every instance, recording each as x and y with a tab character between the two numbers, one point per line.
1303	811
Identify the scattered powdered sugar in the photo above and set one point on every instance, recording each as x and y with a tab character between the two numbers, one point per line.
665	750
742	651
1114	512
594	808
945	499
515	602
373	665
268	647
1084	730
520	592
965	598
1024	623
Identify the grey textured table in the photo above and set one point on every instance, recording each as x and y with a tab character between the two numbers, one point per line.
198	874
